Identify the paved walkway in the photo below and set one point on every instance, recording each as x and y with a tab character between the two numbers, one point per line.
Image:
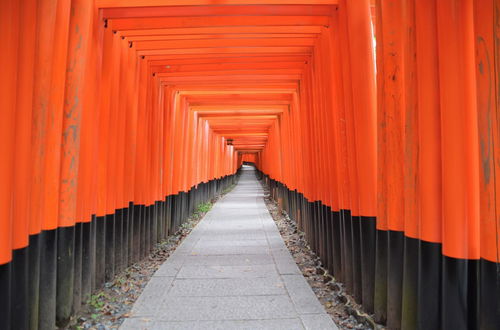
232	272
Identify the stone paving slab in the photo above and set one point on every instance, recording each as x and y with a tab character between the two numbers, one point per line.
229	260
231	243
226	308
302	296
152	296
279	324
227	271
237	235
228	250
232	272
259	286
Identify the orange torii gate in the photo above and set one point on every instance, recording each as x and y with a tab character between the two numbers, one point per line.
119	117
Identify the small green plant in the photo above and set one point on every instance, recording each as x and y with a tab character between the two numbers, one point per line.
203	207
95	301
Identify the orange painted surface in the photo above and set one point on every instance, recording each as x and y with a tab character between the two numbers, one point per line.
429	122
487	85
21	193
391	105
114	102
79	29
459	131
46	20
54	118
9	27
364	99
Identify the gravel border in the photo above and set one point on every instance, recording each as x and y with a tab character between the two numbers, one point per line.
332	294
109	306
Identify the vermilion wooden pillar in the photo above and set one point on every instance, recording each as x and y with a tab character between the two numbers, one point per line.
390	217
50	247
486	24
351	205
409	313
21	205
429	166
460	152
9	27
46	20
79	31
339	130
87	173
104	142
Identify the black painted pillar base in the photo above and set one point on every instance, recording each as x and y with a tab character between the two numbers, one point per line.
489	295
321	235
395	279
65	274
315	225
356	259
136	233
34	281
119	230
48	276
337	250
5	297
100	250
19	289
347	249
168	215
160	221
88	259
143	231
77	279
429	285
460	294
126	235
381	264
410	312
147	231
368	236
174	213
154	225
328	238
109	257
183	207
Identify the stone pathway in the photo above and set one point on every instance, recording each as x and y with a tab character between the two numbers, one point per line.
232	272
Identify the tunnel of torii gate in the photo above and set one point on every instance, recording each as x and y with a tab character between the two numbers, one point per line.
374	123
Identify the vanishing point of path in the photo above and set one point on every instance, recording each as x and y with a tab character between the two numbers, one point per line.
232	272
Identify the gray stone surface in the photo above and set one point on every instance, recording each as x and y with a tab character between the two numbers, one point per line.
227	271
273	324
152	296
303	297
226	308
229	260
316	321
226	250
232	243
286	265
138	323
228	287
232	272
